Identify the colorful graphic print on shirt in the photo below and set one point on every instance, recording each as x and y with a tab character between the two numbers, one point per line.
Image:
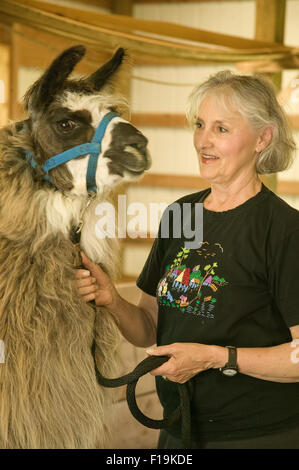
193	288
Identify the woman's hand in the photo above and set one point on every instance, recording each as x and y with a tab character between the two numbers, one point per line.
94	284
187	360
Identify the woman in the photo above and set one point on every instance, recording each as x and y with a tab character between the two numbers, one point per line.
226	312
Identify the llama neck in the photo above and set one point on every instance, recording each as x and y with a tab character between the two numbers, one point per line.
63	212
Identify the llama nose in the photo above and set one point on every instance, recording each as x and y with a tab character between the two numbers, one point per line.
139	142
134	145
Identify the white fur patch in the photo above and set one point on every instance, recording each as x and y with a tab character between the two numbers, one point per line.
63	212
96	248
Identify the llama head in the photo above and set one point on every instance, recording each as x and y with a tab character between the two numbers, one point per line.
64	113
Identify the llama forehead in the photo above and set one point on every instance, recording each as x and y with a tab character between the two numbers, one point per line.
97	104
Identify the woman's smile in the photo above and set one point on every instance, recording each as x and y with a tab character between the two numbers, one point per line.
208	159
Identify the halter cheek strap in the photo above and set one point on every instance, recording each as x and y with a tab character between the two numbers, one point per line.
94	155
92	148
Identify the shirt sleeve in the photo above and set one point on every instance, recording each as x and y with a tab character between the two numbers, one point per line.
152	271
150	274
284	279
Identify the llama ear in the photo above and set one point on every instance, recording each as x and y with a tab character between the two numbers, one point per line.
107	75
43	91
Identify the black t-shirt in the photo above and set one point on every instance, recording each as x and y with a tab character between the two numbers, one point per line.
240	288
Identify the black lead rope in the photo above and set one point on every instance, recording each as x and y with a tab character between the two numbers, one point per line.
185	390
181	412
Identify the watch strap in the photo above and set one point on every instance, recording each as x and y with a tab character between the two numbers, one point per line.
230	368
232	357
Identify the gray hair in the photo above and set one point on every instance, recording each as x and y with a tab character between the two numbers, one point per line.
254	98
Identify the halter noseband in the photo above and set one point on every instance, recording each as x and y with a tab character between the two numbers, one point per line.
92	148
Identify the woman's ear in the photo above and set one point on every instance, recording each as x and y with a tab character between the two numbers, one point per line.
264	138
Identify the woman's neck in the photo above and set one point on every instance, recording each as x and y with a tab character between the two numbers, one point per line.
224	198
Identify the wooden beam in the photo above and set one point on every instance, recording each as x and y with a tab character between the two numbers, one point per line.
159	120
178	1
179	120
138	240
173	181
95	3
287	187
263	66
47	46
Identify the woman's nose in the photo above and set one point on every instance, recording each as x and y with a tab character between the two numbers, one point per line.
203	139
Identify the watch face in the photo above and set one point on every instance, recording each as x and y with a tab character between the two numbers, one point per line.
229	372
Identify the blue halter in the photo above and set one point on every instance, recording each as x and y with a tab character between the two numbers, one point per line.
93	148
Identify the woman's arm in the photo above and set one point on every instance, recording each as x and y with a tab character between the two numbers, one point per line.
277	364
137	323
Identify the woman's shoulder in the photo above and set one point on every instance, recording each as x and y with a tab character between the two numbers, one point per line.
284	218
280	206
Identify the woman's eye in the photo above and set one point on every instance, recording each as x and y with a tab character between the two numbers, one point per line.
67	125
222	129
198	124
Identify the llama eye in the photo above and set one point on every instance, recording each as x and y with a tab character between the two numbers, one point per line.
66	125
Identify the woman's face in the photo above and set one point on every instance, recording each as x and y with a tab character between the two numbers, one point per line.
226	144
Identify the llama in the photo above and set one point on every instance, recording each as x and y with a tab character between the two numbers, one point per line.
49	396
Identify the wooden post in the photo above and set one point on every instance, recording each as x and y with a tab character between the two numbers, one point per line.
15	111
269	26
4	84
122	7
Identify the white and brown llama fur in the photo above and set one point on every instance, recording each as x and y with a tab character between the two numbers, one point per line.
49	396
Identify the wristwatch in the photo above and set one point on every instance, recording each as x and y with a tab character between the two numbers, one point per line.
230	368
